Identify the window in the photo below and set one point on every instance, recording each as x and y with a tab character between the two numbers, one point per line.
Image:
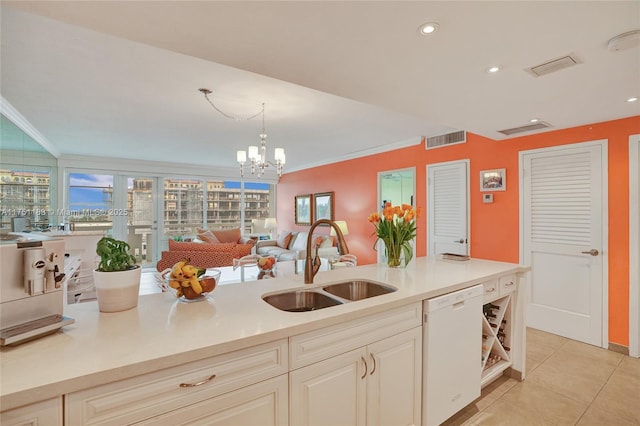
25	193
146	211
90	201
182	206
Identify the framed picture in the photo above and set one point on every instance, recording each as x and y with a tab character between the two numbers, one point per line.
323	205
493	180
303	209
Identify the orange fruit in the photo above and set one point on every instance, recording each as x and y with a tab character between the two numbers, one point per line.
208	284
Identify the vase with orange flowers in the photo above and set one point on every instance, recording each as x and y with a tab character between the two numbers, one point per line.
396	227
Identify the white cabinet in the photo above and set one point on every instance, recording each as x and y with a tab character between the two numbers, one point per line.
498	328
375	384
47	412
178	389
330	392
394	393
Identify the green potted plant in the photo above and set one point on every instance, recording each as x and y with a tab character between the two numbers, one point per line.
117	277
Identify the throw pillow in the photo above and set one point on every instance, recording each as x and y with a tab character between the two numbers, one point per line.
283	239
208	237
182	246
228	235
300	242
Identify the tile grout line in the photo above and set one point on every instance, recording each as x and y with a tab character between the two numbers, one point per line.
601	389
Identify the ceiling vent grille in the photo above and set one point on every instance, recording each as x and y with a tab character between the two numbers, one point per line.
446	139
553	65
527	128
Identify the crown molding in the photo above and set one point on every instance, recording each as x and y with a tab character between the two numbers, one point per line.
363	153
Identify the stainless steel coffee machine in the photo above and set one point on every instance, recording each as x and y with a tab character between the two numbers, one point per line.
31	287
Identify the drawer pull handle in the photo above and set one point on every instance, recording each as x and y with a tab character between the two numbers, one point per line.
200	383
509	283
364	361
490	290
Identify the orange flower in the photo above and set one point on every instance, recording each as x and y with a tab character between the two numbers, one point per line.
396	227
409	215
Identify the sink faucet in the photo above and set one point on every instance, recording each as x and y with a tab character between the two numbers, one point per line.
311	269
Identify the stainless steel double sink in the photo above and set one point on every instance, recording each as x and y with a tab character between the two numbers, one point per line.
305	300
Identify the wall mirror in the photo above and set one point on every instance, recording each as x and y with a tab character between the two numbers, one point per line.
28	176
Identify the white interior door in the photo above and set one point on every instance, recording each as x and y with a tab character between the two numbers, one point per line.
448	208
563	200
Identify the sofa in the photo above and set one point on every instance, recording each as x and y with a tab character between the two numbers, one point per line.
292	245
206	251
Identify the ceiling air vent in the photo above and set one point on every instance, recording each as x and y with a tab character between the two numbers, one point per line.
446	139
553	65
527	128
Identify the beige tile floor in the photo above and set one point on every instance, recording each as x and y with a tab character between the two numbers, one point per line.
567	383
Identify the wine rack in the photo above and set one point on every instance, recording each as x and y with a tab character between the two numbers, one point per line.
496	338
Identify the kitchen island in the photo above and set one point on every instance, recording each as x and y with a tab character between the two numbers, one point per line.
163	336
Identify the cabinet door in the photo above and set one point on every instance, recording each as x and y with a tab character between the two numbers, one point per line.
394	383
141	397
330	392
47	412
264	403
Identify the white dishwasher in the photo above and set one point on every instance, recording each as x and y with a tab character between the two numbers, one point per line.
452	348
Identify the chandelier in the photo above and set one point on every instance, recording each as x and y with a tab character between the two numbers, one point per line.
256	155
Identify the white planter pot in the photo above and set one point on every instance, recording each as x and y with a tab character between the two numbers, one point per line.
117	291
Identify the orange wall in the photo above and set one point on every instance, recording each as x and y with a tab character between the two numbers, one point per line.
494	227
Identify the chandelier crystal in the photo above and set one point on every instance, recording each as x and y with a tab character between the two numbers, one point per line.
256	156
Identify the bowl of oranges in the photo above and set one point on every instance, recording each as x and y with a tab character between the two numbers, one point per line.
266	266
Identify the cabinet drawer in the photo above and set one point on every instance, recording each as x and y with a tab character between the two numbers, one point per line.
139	398
265	403
47	412
507	284
320	344
491	290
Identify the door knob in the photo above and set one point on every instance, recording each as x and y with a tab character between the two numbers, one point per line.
460	241
592	252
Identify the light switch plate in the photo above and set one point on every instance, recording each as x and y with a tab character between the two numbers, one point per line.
487	198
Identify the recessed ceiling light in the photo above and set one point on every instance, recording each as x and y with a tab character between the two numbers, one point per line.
428	28
493	69
633	99
534	120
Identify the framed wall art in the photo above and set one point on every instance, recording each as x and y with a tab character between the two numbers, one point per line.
323	205
303	210
493	180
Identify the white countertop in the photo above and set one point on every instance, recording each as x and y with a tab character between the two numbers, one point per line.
161	331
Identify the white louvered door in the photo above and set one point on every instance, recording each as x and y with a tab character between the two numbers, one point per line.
563	209
447	208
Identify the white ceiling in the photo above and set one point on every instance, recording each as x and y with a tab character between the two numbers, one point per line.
339	79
